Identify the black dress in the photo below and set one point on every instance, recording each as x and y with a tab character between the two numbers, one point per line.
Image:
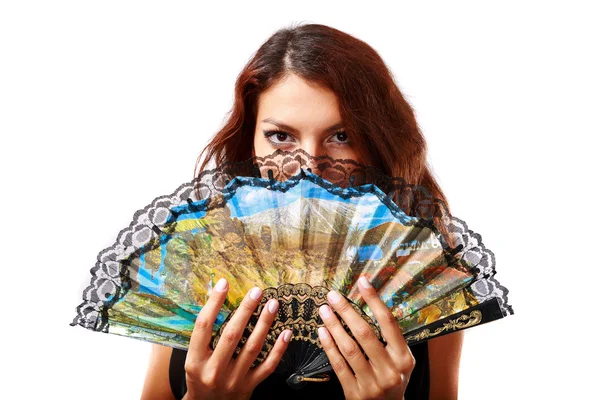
275	387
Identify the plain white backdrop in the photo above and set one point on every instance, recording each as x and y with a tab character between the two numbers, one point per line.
106	105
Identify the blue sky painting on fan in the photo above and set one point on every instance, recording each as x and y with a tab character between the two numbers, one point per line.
267	233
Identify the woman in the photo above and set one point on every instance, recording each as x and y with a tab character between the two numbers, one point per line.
318	89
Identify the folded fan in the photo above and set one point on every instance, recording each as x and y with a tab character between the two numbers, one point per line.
296	226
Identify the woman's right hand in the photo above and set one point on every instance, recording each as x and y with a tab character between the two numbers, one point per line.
213	374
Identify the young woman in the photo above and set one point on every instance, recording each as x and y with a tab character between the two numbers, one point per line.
315	88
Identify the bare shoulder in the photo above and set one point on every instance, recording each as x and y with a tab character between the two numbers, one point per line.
444	363
156	383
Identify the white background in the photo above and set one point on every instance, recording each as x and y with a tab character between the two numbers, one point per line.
106	105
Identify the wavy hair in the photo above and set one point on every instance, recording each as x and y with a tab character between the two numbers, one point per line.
375	114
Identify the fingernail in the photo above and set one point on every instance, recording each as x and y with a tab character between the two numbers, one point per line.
273	306
323	334
325	310
364	282
333	297
221	285
287	335
255	293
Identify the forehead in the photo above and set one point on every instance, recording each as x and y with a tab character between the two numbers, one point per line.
294	100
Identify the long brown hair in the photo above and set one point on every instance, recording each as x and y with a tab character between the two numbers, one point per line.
375	113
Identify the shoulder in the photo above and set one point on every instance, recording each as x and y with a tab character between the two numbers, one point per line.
156	383
444	363
446	349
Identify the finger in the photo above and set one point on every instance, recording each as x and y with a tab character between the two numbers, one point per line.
337	361
268	366
203	327
256	340
346	345
361	330
232	333
390	329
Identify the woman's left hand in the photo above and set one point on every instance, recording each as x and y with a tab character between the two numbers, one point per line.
385	374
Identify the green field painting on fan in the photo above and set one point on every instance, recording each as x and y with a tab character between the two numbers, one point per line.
267	238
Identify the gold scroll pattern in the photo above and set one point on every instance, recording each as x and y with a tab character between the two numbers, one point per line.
462	322
298	311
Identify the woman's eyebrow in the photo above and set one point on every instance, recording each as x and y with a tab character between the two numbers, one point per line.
294	130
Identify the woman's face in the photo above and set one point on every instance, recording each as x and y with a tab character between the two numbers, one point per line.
294	115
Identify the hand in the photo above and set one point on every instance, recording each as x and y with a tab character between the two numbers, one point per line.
213	374
385	375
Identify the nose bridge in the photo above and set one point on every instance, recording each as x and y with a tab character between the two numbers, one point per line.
313	147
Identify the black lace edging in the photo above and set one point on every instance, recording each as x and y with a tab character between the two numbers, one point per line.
281	170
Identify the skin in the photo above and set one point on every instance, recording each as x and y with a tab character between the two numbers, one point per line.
308	111
214	374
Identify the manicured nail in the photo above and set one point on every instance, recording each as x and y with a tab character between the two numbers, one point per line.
273	306
333	297
323	334
364	282
325	310
255	293
287	335
221	285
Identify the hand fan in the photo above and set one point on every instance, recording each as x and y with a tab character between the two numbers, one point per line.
297	226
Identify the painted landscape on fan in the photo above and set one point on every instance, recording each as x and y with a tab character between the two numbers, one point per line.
266	238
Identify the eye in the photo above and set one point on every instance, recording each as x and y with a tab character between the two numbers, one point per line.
341	136
277	137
